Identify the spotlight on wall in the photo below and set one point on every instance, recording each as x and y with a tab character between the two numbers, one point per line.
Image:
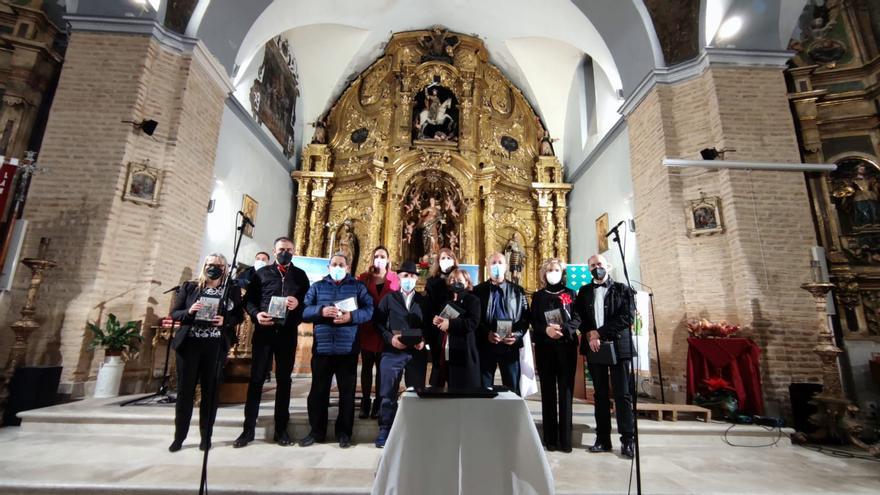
147	126
713	153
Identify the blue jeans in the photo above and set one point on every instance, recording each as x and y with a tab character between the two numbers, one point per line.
392	368
507	362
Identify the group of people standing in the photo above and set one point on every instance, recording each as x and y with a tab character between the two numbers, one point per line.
466	332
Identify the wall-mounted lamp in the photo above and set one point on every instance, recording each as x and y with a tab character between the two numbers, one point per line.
713	153
147	126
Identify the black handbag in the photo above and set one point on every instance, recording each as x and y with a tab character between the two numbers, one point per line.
606	355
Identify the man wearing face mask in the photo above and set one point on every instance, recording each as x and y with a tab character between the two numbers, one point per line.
398	312
273	338
242	280
336	305
501	301
606	309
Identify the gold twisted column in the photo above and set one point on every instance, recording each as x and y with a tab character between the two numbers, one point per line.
561	227
488	224
545	225
393	232
25	326
378	207
321	186
302	215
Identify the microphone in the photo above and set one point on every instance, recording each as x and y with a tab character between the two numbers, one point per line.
173	289
614	229
246	219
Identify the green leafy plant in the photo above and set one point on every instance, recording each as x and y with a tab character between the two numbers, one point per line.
116	338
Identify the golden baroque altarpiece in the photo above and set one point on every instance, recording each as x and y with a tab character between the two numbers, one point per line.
430	147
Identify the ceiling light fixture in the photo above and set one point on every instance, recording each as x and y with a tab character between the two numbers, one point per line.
729	28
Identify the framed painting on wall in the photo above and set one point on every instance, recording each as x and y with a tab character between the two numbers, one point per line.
704	216
249	207
601	230
142	184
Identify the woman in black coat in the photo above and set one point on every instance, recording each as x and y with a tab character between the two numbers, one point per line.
201	344
556	352
438	294
459	359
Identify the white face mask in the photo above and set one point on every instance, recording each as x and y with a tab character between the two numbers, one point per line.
259	264
554	278
380	263
446	264
498	271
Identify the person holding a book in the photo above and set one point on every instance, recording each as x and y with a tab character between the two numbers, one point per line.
380	282
401	318
554	327
607	309
456	323
504	319
438	294
274	301
336	305
205	335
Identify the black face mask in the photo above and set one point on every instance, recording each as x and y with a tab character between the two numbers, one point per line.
283	257
214	272
598	273
457	287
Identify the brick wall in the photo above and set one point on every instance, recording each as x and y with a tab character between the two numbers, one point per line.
751	273
117	256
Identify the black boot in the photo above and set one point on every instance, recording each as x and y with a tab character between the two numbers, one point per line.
365	407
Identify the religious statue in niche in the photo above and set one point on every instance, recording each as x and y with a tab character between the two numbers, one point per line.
856	188
439	45
516	258
431	217
274	93
435	114
348	244
820	36
320	135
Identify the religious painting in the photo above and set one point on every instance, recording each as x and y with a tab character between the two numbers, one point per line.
431	217
820	36
855	191
704	216
274	93
249	207
142	184
435	115
601	230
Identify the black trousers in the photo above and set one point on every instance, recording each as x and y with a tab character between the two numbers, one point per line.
556	364
507	363
621	382
344	366
370	360
197	362
281	345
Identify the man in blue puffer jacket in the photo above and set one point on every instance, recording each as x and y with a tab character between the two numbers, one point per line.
336	305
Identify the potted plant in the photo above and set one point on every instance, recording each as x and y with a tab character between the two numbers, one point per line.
119	341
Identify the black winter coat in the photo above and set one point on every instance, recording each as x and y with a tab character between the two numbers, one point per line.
268	282
543	301
619	306
187	295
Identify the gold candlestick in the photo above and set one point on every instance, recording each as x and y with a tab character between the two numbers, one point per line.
835	415
26	325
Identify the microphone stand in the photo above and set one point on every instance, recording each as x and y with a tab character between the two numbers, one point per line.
224	305
656	342
163	387
635	394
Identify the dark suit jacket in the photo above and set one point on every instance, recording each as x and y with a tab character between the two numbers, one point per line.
391	314
619	307
187	295
517	308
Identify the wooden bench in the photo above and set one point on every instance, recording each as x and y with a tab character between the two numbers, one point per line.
670	412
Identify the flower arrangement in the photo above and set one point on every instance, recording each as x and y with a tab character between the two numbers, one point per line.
718	395
565	299
423	267
704	328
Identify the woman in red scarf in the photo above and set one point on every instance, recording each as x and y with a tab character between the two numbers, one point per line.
379	281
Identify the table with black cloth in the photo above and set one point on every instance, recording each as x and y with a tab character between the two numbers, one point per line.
734	359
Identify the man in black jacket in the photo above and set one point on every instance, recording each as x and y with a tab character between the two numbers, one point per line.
606	309
398	312
501	300
273	337
243	279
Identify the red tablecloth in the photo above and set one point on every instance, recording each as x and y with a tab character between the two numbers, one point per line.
736	360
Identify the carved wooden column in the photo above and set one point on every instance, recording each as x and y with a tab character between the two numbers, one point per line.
561	226
377	193
466	245
302	215
319	206
393	235
545	224
488	223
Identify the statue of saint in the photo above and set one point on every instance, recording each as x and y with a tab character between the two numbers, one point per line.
320	135
348	244
430	219
546	146
516	258
863	189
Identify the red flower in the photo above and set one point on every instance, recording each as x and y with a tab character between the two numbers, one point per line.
717	383
565	298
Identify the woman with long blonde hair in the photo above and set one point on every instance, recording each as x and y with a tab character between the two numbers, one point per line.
206	332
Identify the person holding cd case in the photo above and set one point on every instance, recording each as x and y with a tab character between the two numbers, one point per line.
554	327
204	335
456	324
400	318
504	319
274	302
607	309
